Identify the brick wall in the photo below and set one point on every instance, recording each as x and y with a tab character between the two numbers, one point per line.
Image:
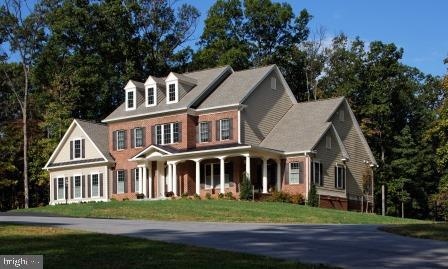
295	188
213	117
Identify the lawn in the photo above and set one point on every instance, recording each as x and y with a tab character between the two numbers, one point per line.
63	248
429	231
217	211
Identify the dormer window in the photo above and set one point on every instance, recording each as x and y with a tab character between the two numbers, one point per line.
151	96
172	93
130	99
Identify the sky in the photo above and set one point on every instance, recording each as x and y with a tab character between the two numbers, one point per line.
419	27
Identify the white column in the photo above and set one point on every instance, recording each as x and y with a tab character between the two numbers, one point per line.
161	178
279	175
169	177
248	166
198	176
149	194
174	167
145	180
221	177
265	175
140	179
106	183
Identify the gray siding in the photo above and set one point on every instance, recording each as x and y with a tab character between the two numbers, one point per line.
183	89
161	93
355	149
265	108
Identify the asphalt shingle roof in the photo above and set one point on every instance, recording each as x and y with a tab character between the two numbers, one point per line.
99	134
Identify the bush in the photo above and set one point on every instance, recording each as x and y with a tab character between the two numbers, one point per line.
184	195
221	196
229	196
313	198
197	197
169	194
297	199
125	199
245	188
279	196
208	196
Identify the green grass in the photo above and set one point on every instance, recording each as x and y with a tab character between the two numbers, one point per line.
64	248
428	231
217	211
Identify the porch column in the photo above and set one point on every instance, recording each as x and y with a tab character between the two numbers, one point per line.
248	166
143	180
222	176
169	177
149	176
174	167
161	178
265	175
279	175
198	176
140	179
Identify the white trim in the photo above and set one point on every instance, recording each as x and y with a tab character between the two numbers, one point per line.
80	186
154	87
135	136
106	183
345	155
78	164
124	180
208	132
137	180
145	114
298	173
80	148
239	126
124	139
336	177
57	188
146	150
220	129
91	184
176	91
298	152
134	99
219	107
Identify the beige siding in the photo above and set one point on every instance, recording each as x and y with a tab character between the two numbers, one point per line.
84	171
265	107
329	158
64	153
355	149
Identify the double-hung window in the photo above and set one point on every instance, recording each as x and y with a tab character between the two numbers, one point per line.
137	180
130	100
172	92
77	148
138	137
77	185
339	177
167	133
150	93
61	188
204	132
294	173
225	129
95	185
317	173
120	181
120	139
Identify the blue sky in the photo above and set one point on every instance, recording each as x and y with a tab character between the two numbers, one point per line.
419	27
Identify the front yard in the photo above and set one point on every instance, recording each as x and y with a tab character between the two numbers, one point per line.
428	231
217	211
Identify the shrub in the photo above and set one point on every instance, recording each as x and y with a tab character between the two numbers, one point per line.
169	194
313	198
279	196
220	196
208	196
197	197
297	199
245	188
184	195
125	199
229	195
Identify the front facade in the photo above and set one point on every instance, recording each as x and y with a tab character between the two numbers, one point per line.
202	132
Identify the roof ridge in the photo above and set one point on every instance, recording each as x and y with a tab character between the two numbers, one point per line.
206	69
86	121
255	68
322	100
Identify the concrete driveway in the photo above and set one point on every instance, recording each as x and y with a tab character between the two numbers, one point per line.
348	246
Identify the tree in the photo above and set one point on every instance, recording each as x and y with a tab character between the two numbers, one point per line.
245	188
23	36
313	198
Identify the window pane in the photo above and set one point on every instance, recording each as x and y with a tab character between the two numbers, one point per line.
172	92
120	181
228	168
204	132
137	180
77	186
95	185
77	149
150	93
225	129
61	188
208	176
120	140
130	99
176	132
294	173
167	133
138	137
158	134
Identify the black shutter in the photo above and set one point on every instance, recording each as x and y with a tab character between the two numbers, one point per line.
301	173
218	129
83	183
114	140
343	176
71	188
55	188
210	133
143	136
101	185
126	181
125	139
335	177
133	180
153	135
89	181
321	174
83	147
286	172
71	150
198	133
231	128
114	183
66	181
133	137
179	125
313	178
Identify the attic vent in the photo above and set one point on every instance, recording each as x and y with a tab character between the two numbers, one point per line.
341	115
273	83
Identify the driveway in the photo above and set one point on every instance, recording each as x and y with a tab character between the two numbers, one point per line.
348	246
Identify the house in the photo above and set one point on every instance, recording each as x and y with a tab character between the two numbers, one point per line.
200	132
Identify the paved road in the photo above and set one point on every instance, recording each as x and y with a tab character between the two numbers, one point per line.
348	246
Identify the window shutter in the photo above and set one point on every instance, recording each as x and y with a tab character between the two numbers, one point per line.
344	178
210	133
143	136
126	181
66	181
231	128
301	173
101	185
71	188
89	181
153	135
71	150
132	180
114	140
133	137
218	129
125	139
179	124
321	174
286	173
198	133
83	183
55	188
335	177
83	146
114	182
313	177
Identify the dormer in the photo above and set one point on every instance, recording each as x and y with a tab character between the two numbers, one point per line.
177	86
131	94
152	90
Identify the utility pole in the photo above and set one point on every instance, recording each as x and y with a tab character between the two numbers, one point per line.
383	201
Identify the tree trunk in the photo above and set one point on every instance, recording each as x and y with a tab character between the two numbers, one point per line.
402	210
25	138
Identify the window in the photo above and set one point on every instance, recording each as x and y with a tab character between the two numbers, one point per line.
121	139
328	142
150	96
77	148
339	177
212	175
61	188
95	185
159	135
77	187
172	92
317	173
225	129
341	115
273	83
120	181
175	129
130	99
204	135
294	170
138	137
137	180
167	133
